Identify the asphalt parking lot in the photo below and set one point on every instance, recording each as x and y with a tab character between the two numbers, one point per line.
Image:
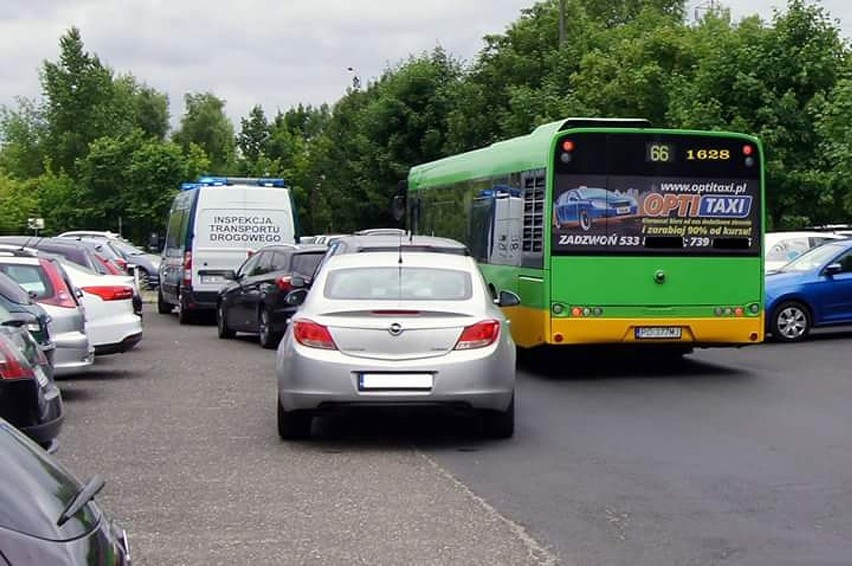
732	456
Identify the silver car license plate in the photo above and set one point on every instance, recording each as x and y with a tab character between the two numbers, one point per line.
658	332
395	381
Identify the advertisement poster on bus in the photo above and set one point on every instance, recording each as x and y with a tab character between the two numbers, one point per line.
639	214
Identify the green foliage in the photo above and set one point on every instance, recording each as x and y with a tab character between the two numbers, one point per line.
206	125
95	148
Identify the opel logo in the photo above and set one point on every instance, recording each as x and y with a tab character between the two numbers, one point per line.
395	329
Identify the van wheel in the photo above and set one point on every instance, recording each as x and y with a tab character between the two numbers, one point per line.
293	425
162	306
222	323
184	316
499	424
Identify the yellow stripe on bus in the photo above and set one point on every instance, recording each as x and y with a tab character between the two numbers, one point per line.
531	327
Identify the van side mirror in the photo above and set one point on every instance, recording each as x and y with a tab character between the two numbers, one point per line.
296	297
507	299
832	269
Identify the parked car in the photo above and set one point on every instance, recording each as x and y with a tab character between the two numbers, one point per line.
583	205
813	290
29	398
373	332
129	258
782	247
114	317
47	516
81	253
21	306
254	300
48	284
143	265
381	232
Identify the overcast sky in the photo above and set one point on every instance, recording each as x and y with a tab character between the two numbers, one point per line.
276	53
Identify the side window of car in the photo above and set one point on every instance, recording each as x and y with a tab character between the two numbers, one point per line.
248	265
263	265
280	261
845	262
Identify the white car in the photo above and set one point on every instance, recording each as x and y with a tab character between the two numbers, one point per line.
783	247
112	321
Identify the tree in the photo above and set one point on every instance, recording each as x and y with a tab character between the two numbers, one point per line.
254	135
205	124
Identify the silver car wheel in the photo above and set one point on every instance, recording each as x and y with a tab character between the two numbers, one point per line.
792	322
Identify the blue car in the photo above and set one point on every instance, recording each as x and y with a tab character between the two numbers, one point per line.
583	205
813	290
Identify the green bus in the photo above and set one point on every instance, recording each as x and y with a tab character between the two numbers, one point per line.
610	231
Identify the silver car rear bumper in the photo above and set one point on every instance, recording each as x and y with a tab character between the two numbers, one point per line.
74	353
310	379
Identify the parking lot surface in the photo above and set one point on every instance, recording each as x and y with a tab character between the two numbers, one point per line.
730	457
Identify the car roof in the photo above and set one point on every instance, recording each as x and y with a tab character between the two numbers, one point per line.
779	236
294	248
391	243
392	259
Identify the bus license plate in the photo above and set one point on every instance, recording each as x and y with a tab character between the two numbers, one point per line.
658	332
623	210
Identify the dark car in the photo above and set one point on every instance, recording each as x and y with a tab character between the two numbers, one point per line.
254	300
47	516
29	398
813	290
21	305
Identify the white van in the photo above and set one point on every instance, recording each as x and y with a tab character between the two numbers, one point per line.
214	224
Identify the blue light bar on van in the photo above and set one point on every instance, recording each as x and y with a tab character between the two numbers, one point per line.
213	181
190	186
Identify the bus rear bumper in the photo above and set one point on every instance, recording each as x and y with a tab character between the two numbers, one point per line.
695	332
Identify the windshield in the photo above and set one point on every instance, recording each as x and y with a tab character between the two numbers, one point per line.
398	283
592	193
813	259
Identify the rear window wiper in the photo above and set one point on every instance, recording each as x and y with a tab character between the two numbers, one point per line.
86	494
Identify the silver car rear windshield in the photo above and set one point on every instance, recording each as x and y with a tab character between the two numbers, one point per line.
398	283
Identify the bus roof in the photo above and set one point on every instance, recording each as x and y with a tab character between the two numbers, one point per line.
522	153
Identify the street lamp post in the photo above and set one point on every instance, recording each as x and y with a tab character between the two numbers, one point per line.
356	80
561	23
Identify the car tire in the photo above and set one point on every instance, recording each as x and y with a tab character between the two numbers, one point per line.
144	279
293	425
184	316
162	306
790	322
585	221
222	329
267	338
499	424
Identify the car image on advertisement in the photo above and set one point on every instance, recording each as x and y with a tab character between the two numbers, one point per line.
389	330
583	205
813	290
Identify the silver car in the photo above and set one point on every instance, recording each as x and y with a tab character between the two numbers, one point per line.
46	281
397	329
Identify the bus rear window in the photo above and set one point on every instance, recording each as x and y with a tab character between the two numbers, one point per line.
641	193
